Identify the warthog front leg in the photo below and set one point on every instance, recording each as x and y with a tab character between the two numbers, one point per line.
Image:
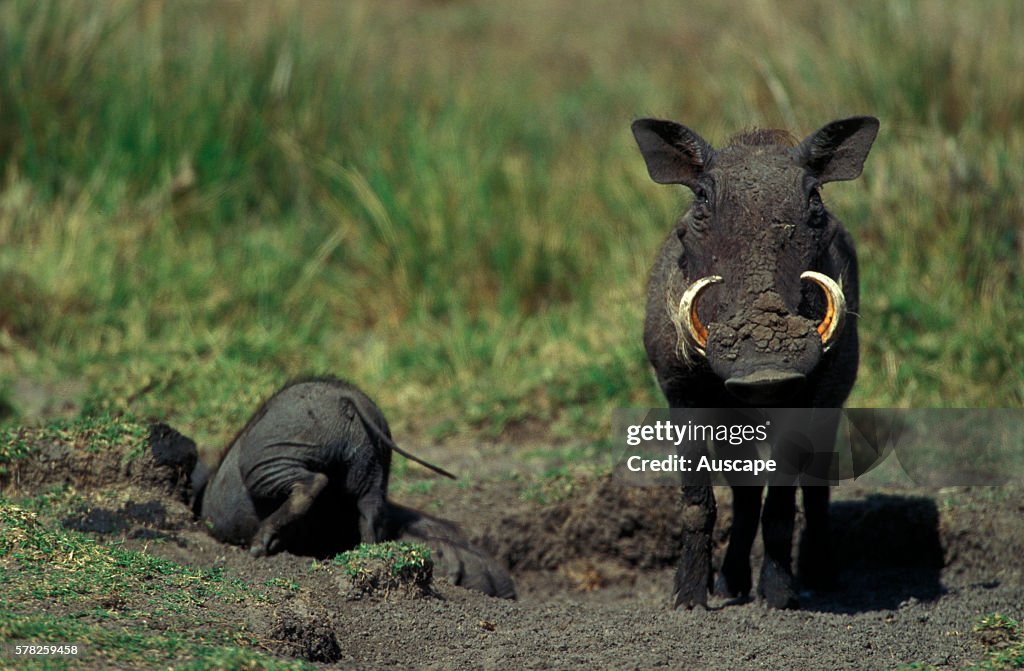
693	576
734	579
300	499
776	585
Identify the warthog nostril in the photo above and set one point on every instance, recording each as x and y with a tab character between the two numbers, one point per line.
765	387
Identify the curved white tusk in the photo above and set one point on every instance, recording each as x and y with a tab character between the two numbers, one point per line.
693	330
835	313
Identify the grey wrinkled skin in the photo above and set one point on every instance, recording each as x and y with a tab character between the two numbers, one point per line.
757	220
308	473
464	564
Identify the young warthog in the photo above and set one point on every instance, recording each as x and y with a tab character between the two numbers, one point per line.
752	302
463	563
308	469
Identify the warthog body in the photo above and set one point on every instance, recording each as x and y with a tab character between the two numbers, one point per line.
745	308
308	473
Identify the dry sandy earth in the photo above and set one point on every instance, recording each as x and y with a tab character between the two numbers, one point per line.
594	575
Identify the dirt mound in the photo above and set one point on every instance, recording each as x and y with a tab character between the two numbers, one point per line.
384	570
982	534
637	526
57	462
304	634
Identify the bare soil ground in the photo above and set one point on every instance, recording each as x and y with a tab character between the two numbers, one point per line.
594	574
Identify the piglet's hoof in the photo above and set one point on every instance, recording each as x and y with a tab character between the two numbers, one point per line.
259	549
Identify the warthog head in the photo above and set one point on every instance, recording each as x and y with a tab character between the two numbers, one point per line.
757	288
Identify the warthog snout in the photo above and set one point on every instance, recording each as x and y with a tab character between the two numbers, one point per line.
761	349
694	335
765	386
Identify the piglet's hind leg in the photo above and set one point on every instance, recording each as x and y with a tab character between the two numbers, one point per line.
371	516
300	499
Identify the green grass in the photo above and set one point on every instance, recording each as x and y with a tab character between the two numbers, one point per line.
384	568
61	586
91	432
400	558
442	202
1003	639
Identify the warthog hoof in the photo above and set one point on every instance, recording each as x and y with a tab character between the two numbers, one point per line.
777	586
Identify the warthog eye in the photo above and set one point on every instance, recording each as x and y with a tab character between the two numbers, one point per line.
701	211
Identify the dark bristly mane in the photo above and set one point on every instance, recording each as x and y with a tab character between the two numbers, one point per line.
759	137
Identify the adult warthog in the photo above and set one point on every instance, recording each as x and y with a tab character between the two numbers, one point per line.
752	302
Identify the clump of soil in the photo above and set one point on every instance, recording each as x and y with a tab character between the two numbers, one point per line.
384	570
305	635
69	459
637	526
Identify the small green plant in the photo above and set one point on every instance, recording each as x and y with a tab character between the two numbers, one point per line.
1003	638
552	486
385	568
15	445
401	558
996	629
283	583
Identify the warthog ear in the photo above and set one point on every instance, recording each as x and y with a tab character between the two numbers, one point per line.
837	151
674	153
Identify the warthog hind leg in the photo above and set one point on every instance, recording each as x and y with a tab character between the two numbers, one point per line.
300	499
371	516
817	569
